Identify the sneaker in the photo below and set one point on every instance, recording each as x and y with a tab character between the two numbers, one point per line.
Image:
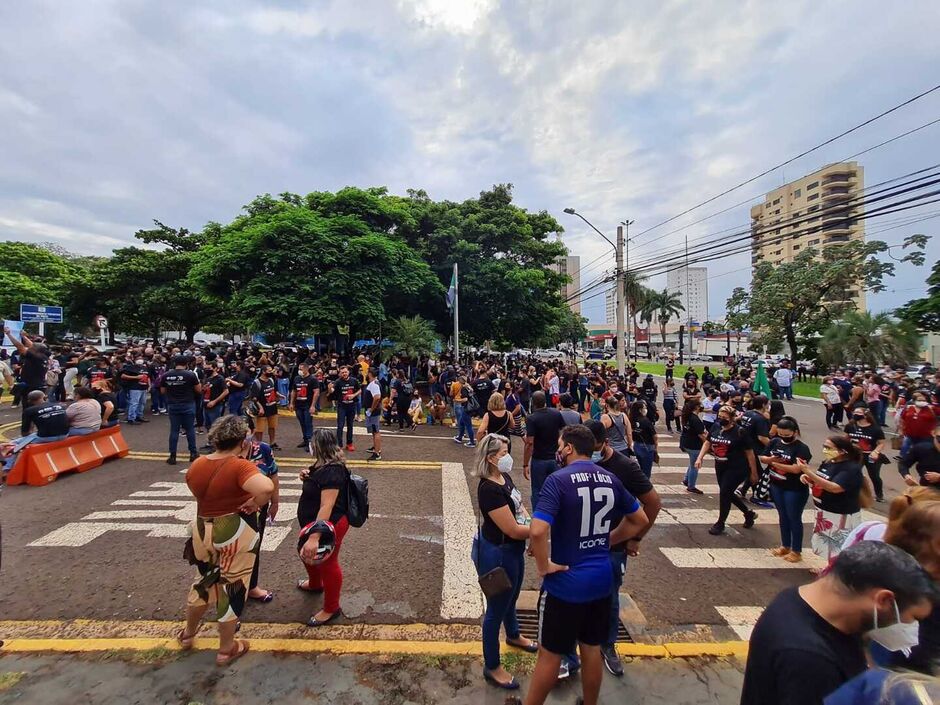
563	670
739	493
370	449
880	500
695	490
414	426
143	419
171	460
749	520
302	444
275	446
458	441
193	455
685	482
200	431
375	456
717	530
470	444
350	448
612	661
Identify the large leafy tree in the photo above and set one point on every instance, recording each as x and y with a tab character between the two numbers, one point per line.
870	339
803	297
925	312
662	306
34	274
305	265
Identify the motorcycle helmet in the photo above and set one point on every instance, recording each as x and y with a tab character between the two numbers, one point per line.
327	539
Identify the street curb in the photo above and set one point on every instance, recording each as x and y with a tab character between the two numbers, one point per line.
350	647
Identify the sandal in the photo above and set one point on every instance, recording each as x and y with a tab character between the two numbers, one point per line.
301	583
185	642
239	649
268	596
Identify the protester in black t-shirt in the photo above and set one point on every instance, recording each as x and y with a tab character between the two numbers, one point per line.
214	392
836	488
645	441
180	387
691	440
782	457
866	434
301	397
482	389
756	425
808	641
239	383
34	358
48	417
734	461
926	457
264	397
108	402
628	471
543	428
345	391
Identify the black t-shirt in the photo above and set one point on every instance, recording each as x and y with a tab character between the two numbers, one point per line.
264	391
788	454
848	475
627	470
643	431
728	447
132	369
245	379
754	425
796	657
105	397
543	426
344	390
491	496
649	393
927	459
180	386
691	432
303	390
334	476
49	418
33	372
864	437
214	387
483	388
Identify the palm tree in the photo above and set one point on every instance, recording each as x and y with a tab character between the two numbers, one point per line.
413	336
635	298
871	340
662	305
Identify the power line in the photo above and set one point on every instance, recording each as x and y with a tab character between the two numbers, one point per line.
798	156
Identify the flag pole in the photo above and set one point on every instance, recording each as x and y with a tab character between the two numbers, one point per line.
456	325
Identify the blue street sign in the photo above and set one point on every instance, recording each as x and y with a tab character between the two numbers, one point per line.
34	313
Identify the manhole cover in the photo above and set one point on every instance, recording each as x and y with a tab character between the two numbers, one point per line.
529	624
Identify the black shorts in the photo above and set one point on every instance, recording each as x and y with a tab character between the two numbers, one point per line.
562	624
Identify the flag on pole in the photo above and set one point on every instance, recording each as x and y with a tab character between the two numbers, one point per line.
452	291
761	385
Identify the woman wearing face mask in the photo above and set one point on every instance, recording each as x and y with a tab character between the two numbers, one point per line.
693	436
836	488
782	457
502	536
619	432
916	421
645	443
866	434
670	403
734	462
229	492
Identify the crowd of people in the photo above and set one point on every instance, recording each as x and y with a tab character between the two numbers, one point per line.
590	444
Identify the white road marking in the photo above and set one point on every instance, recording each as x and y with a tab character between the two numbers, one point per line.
741	618
81	533
460	595
746	558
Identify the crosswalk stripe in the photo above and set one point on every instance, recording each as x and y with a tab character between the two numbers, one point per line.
680	489
744	558
740	618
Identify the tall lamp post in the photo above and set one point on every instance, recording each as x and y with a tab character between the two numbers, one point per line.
621	295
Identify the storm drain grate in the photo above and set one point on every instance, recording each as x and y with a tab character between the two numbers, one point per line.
529	623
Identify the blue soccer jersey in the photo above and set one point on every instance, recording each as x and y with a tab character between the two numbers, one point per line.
583	503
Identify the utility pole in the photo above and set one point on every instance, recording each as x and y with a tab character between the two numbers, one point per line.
688	294
626	249
621	296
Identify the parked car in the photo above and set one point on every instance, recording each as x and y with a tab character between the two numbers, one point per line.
551	354
919	369
599	355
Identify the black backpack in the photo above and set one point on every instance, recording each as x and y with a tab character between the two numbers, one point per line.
408	389
357	493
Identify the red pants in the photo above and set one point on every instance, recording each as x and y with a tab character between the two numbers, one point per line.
328	575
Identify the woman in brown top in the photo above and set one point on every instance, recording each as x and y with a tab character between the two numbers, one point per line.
229	491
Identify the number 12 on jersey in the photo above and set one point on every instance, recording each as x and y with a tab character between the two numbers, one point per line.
594	511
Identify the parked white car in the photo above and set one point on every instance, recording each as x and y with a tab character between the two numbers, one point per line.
551	354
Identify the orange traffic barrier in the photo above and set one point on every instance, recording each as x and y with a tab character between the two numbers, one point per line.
39	464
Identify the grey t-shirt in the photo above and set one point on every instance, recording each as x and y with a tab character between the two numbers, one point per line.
84	413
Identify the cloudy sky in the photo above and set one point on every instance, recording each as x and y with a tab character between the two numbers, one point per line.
115	112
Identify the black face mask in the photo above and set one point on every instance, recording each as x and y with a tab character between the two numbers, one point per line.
726	423
787	439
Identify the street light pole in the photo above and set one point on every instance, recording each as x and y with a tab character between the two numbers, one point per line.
626	267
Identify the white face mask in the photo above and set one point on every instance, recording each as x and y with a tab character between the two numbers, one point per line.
900	636
596	456
505	463
920	404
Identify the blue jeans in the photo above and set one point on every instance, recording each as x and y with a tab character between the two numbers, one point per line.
790	505
235	401
540	469
345	414
302	412
644	456
211	414
786	392
157	400
618	566
500	610
691	474
464	423
883	412
182	416
34	439
136	398
81	431
283	388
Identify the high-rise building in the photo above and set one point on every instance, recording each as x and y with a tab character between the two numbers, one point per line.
815	211
610	306
570	265
691	283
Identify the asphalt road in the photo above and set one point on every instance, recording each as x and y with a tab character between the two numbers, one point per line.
130	516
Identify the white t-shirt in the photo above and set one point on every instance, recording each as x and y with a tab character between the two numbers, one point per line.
831	393
783	376
376	392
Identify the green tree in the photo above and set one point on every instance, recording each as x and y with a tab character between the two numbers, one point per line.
413	336
661	306
925	312
869	339
33	274
803	297
568	328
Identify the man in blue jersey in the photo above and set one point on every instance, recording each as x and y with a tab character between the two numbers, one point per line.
586	509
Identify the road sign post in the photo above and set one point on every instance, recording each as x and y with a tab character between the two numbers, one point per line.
37	313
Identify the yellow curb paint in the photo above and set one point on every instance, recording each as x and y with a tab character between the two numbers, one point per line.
342	647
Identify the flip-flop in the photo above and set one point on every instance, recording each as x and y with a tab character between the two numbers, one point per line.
300	586
239	649
511	685
185	642
268	596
